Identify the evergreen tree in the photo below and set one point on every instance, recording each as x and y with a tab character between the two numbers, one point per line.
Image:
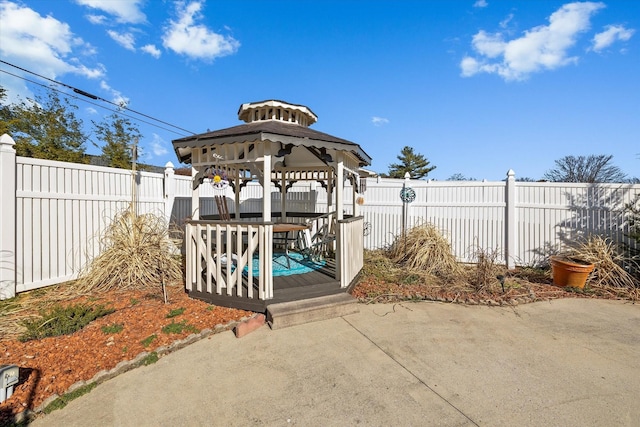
416	164
118	136
6	114
46	128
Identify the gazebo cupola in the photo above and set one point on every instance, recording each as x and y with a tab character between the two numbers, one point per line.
276	110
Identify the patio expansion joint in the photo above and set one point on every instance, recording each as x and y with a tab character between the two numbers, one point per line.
390	356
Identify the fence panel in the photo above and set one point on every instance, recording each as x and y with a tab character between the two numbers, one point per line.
551	216
469	214
61	209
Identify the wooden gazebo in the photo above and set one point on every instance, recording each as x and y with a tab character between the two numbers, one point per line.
230	261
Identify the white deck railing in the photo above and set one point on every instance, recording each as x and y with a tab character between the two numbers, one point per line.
350	249
217	253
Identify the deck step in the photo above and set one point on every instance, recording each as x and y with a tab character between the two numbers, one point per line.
285	314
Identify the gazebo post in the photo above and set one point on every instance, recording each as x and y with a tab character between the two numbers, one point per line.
339	189
354	196
283	196
266	184
236	196
195	197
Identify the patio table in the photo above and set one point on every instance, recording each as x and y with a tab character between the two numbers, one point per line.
285	228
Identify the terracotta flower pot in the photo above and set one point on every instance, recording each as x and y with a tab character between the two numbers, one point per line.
569	272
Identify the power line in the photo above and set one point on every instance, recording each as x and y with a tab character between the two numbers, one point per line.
89	95
92	103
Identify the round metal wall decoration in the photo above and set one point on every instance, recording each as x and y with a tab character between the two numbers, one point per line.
407	194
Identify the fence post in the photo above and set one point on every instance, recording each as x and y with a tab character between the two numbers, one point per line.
7	217
511	235
169	190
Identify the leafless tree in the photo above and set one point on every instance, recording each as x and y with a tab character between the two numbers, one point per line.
590	169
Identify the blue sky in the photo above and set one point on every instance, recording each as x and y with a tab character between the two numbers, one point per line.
477	87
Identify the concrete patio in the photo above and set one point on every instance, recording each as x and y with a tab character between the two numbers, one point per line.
571	362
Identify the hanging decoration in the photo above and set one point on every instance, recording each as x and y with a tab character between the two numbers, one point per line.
407	194
219	179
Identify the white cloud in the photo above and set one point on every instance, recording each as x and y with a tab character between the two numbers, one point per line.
379	121
505	22
126	40
545	47
117	97
125	11
489	45
186	37
481	3
609	36
42	44
96	19
158	146
151	50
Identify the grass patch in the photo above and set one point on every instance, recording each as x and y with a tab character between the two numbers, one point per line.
134	301
63	400
148	340
150	359
175	312
178	328
112	329
59	320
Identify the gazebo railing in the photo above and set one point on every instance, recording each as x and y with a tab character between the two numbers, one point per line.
220	258
350	249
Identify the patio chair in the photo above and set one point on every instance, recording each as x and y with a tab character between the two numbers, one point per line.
319	243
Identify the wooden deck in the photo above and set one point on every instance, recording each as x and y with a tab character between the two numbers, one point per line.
285	288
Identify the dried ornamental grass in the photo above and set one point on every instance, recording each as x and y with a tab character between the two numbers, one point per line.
608	261
485	272
137	255
424	248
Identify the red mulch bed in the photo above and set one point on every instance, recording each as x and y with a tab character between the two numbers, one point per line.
51	365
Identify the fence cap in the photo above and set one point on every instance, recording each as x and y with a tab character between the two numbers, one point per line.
7	140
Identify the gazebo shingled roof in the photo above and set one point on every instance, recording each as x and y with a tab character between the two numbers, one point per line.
273	130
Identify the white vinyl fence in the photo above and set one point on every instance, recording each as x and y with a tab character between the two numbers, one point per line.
52	213
523	222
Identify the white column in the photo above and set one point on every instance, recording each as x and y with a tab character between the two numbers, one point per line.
7	217
195	198
339	187
283	197
511	232
169	190
266	184
354	198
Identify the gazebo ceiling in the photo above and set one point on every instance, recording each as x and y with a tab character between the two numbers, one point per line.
279	130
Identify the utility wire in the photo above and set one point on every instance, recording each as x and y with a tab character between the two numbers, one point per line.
118	111
94	97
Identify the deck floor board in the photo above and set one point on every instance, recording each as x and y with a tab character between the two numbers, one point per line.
285	288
